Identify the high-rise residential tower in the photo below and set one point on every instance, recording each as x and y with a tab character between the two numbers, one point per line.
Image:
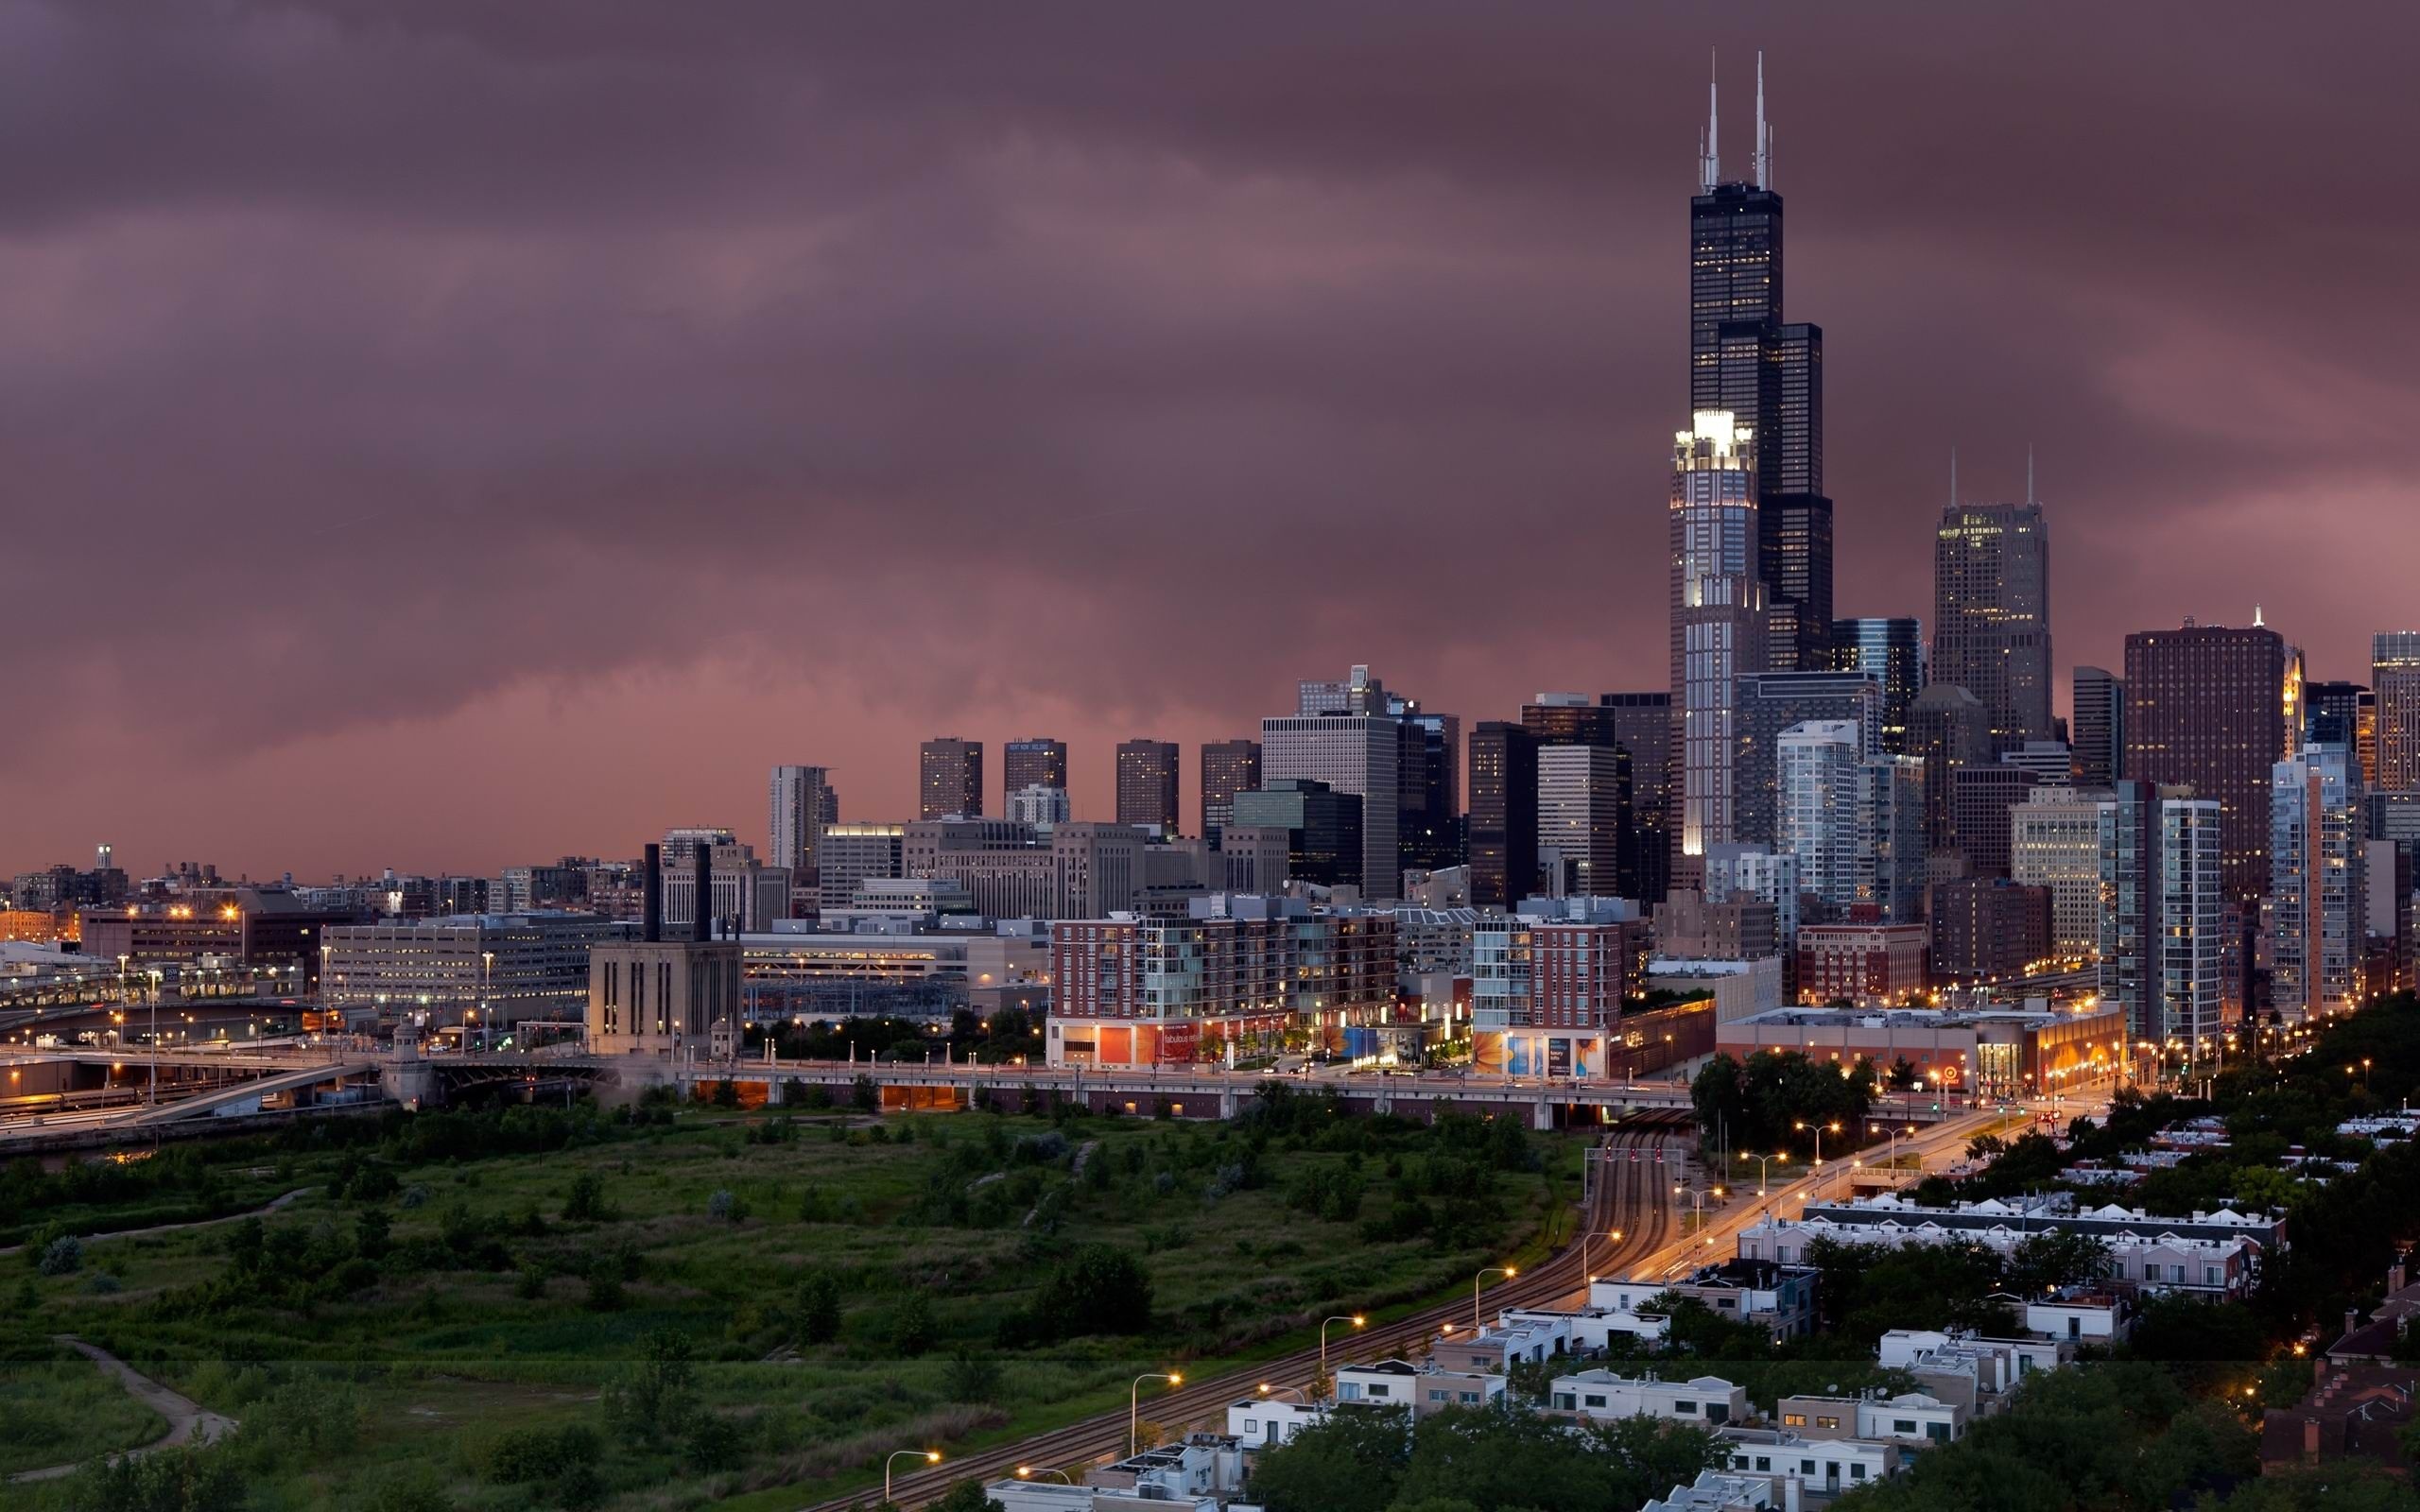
2318	901
2098	727
2162	915
1584	815
1818	766
1991	626
802	805
1147	784
1770	702
1643	727
2395	682
1768	374
1718	596
1035	762
1891	650
1227	767
1503	814
949	778
2206	708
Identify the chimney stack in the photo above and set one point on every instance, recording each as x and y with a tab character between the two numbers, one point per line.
702	914
653	895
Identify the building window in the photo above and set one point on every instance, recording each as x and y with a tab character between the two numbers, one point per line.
1794	1419
1595	1400
1827	1422
1684	1409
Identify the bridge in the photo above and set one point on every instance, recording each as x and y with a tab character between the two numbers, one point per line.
415	1079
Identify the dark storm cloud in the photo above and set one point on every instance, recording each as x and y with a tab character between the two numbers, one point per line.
365	369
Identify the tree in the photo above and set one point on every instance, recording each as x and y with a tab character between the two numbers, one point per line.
865	1096
818	1307
1350	1462
655	1396
966	1496
911	1325
1098	1289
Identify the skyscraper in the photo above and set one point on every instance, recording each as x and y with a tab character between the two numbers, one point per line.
1717	597
1035	762
1818	764
1343	736
1949	729
1643	727
1991	625
1227	767
1583	815
1770	702
2319	905
2395	680
1147	784
1431	804
2205	706
1503	814
2162	914
2098	727
949	778
1635	727
801	803
2054	843
1768	376
1891	650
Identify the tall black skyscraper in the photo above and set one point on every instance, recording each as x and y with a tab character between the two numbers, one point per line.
1768	374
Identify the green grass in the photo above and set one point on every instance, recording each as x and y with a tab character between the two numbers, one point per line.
438	1361
62	1409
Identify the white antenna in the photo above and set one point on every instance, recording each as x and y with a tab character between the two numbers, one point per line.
2256	621
1764	134
1710	147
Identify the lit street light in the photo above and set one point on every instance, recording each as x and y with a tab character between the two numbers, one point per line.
1134	1404
1763	1162
1027	1472
1355	1319
930	1456
1505	1271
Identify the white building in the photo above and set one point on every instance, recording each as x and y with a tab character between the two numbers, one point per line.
1753	872
1041	806
1911	1418
1817	822
1970	1371
803	804
2080	1315
1202	1473
2054	843
1707	1401
471	969
1592	1329
1423	1388
1806	1470
1711	1492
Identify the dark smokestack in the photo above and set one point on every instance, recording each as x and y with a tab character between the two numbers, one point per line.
701	917
653	929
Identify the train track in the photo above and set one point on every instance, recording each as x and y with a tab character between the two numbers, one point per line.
1630	1193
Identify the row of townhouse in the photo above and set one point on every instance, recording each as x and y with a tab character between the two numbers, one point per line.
1201	1472
2214	1254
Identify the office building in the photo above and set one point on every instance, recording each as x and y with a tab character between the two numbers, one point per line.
1356	746
1718	630
1988	929
1042	807
2319	908
2341	713
2394	683
1504	814
1036	761
1253	858
1691	927
803	804
1430	834
1991	625
853	853
271	930
1981	798
2097	728
1324	828
2054	844
1147	785
1746	360
1949	729
1770	702
2206	708
1642	725
1584	828
1891	651
477	970
1735	872
1861	964
1891	837
1227	767
949	778
1819	763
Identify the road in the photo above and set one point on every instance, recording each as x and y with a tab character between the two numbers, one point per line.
187	1419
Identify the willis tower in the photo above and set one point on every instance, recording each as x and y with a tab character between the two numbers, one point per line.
1768	374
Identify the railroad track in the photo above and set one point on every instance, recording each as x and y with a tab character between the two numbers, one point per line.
1630	1193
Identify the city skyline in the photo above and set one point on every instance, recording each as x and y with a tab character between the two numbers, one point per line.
599	377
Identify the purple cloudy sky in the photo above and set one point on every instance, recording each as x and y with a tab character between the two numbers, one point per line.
443	436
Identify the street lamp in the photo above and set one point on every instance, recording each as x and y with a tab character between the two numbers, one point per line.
1763	1161
1134	1404
930	1456
1266	1389
1505	1271
1585	1235
1027	1472
1355	1318
1819	1129
487	989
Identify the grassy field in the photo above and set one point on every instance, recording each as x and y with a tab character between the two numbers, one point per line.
694	1305
59	1409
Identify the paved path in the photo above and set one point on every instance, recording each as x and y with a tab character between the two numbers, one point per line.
188	1420
273	1205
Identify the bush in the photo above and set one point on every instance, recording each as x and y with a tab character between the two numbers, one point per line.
911	1325
558	1463
713	1443
819	1308
586	1201
725	1206
604	1288
1098	1289
62	1256
655	1396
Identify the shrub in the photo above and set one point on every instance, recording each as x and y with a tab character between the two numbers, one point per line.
819	1308
911	1325
62	1256
586	1203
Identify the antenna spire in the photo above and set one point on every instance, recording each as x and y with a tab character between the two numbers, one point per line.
1764	134
1709	145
